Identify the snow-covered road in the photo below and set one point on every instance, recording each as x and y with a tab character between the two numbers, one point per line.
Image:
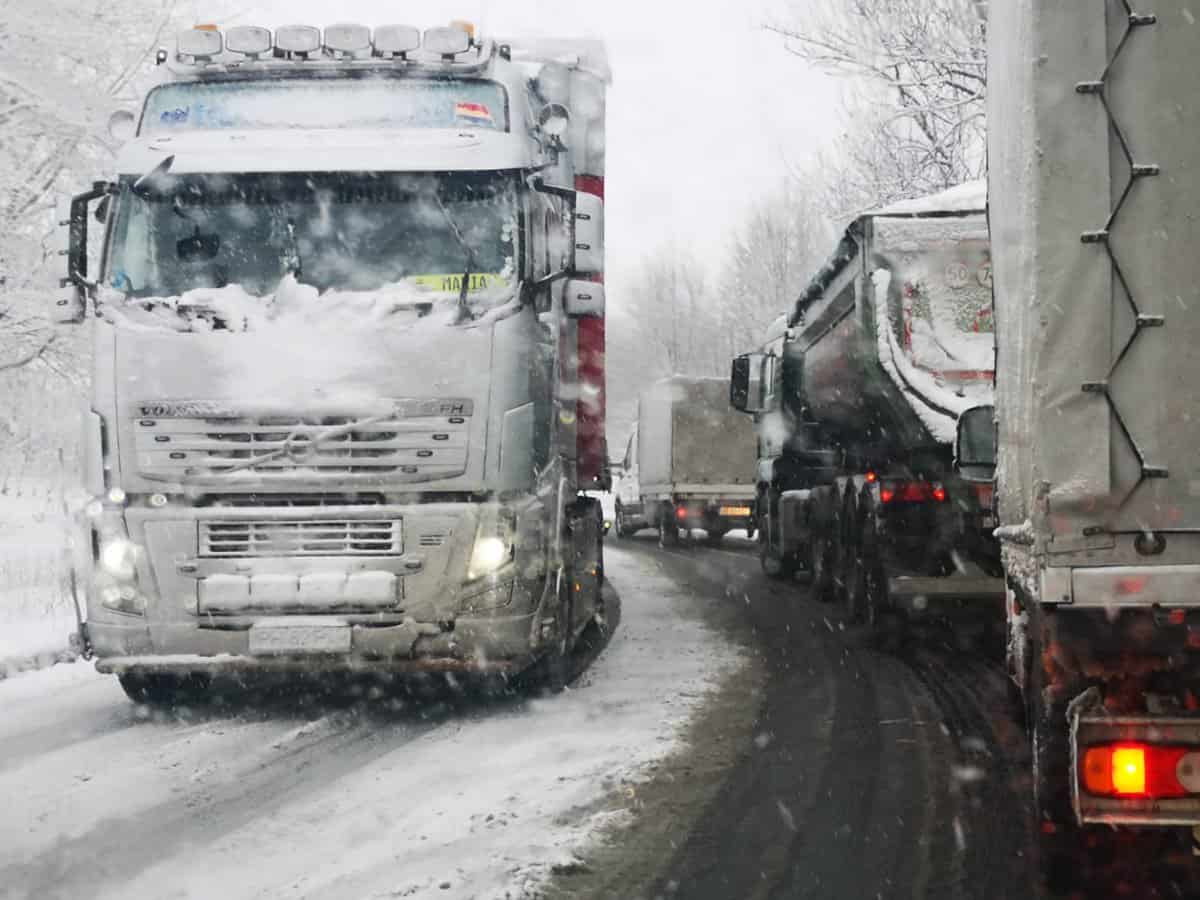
103	799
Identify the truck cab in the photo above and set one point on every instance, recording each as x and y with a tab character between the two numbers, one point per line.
347	318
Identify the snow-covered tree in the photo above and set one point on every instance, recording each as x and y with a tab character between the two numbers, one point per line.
916	119
783	241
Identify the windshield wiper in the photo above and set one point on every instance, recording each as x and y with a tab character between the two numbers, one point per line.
150	181
463	310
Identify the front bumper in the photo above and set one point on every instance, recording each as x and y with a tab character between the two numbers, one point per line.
491	644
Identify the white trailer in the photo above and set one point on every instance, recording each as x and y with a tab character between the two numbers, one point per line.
688	463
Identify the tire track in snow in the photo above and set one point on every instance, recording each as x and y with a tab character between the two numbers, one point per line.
119	847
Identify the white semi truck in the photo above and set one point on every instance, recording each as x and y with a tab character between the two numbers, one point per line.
1095	187
688	463
347	317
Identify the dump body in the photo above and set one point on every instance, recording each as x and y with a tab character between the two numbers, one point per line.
1095	183
348	357
899	341
857	395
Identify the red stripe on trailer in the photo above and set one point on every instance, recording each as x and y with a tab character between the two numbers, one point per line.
590	447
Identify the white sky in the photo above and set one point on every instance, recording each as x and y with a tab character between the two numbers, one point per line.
707	111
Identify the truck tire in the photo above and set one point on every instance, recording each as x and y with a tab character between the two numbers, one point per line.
623	530
164	690
868	589
715	535
846	551
821	548
668	531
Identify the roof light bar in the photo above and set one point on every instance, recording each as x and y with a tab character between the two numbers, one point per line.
249	40
396	40
348	39
449	42
297	39
200	44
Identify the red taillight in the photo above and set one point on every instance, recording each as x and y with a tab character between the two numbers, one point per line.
912	492
1134	770
872	478
681	513
986	495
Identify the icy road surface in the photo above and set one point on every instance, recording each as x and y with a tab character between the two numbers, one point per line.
435	799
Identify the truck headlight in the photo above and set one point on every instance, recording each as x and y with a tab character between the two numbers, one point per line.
123	599
118	557
493	544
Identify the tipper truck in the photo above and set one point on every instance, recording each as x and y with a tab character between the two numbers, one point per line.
856	393
347	323
688	463
1094	153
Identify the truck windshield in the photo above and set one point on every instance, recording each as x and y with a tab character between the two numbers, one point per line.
334	231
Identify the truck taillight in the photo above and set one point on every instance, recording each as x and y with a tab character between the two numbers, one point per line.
681	513
911	492
1140	770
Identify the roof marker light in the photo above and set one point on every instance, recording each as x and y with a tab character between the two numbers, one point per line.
199	44
396	40
297	39
448	42
348	39
249	40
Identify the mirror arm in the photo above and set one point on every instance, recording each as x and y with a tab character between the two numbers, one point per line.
77	246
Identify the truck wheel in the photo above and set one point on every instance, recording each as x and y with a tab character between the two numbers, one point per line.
845	551
553	669
668	531
715	535
820	561
164	690
622	530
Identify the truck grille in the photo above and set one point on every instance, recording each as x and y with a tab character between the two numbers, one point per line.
417	448
353	537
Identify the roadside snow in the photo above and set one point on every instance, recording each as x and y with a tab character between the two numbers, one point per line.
479	804
36	616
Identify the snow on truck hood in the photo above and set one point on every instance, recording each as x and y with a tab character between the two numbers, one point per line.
301	349
329	150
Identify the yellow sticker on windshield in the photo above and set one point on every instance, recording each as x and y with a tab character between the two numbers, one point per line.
480	281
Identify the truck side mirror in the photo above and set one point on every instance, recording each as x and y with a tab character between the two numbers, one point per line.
745	383
975	444
583	299
70	303
589	234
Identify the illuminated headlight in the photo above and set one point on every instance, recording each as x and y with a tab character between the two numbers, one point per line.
493	544
117	558
490	554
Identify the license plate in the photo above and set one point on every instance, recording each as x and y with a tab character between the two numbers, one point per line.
272	638
735	512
